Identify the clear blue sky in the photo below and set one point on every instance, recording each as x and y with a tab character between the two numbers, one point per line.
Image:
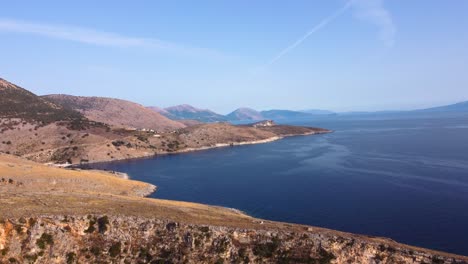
334	54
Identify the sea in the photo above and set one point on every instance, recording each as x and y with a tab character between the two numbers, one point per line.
404	178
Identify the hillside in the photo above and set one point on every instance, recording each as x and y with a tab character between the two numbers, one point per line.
51	215
189	112
16	102
115	112
241	114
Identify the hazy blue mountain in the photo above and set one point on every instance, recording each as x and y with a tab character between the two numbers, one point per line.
285	114
458	107
243	113
318	112
185	111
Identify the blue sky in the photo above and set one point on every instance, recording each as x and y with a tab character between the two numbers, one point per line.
335	54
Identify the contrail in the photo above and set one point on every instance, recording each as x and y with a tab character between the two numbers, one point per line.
316	28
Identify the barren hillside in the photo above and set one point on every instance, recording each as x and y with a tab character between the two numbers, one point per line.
16	102
116	112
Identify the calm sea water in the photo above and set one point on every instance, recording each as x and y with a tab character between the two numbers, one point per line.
403	179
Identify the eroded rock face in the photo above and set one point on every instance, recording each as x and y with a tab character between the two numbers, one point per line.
123	239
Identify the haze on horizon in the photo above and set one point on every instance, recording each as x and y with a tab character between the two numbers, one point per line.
358	55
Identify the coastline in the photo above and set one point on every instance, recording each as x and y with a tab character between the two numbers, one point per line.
188	150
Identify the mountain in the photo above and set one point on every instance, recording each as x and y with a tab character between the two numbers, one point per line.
244	114
285	114
458	107
115	112
17	102
162	111
318	112
189	112
453	110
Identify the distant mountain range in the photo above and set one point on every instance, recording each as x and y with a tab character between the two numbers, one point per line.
187	112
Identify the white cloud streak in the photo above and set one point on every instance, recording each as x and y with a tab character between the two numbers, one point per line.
374	12
371	11
99	38
316	28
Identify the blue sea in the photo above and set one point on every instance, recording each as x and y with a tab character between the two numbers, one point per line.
405	179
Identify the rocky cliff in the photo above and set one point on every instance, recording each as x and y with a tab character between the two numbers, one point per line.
125	239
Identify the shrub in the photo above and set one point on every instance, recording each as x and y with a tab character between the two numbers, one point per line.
91	227
102	224
115	249
32	258
44	240
95	250
118	143
32	221
204	229
325	256
71	256
266	249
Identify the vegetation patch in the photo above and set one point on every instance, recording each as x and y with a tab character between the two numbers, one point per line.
115	249
91	227
31	258
103	222
325	256
44	240
266	250
71	257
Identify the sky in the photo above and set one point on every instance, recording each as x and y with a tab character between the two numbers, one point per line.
340	55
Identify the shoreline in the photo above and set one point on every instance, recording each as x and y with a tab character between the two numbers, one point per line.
189	150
